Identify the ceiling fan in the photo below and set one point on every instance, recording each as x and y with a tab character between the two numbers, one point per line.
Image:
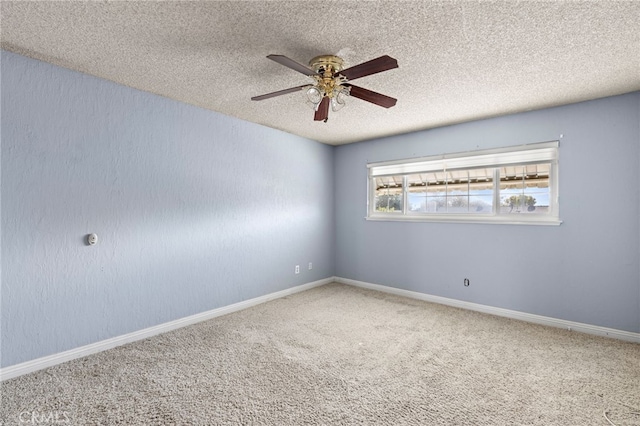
331	83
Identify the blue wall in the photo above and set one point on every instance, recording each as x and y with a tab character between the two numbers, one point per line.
193	210
586	270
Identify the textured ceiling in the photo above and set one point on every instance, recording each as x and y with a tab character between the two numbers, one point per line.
458	61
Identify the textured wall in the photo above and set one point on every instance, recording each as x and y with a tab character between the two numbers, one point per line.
194	210
585	270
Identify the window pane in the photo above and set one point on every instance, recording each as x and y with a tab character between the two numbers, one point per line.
525	189
455	191
481	195
481	191
388	195
417	193
470	191
427	192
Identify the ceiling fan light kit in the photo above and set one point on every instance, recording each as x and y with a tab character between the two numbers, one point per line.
330	86
327	83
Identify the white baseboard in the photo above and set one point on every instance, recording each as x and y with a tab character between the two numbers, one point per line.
13	371
523	316
55	359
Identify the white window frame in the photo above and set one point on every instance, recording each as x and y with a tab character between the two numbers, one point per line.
546	152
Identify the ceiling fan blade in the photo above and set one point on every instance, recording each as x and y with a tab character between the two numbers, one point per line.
290	63
322	113
371	96
383	63
279	92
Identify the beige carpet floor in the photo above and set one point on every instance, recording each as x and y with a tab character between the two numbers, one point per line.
341	355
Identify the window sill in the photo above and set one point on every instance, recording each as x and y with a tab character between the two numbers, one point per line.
498	220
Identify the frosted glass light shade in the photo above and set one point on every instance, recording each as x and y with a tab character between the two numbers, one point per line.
314	95
339	98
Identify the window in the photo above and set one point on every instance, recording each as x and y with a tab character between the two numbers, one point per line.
511	185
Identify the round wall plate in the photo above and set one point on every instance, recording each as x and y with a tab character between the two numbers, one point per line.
92	239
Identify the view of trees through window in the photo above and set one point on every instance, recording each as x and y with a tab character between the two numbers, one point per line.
522	189
389	194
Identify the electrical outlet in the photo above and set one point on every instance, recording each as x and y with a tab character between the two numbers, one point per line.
466	282
297	269
310	266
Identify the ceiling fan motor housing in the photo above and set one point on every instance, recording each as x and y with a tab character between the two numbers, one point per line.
326	80
324	63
